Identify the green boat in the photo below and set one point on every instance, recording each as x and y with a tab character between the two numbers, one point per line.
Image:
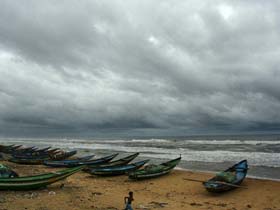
120	162
37	181
152	171
117	170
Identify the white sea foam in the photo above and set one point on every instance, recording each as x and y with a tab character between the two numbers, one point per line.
255	158
150	140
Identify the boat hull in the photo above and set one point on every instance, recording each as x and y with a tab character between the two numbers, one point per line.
154	171
35	182
241	171
80	163
117	170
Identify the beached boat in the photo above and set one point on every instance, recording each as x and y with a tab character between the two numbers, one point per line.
35	182
22	151
119	162
28	161
53	151
152	171
80	163
19	151
43	149
39	159
62	155
34	152
117	170
29	156
65	163
239	171
10	148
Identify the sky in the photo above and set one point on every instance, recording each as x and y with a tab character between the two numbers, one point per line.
161	67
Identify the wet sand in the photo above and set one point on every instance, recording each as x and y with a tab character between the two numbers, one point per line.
171	192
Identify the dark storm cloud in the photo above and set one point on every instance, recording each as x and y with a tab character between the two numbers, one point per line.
73	66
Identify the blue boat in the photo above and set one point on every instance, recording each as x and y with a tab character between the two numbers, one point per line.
217	185
120	162
84	162
117	170
152	171
65	163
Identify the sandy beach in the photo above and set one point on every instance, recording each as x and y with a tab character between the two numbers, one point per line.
82	191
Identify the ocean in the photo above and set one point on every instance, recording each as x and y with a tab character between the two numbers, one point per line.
199	153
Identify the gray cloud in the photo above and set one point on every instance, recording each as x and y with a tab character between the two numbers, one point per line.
161	67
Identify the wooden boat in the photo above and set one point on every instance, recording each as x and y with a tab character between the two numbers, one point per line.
41	153
117	170
30	156
28	161
15	147
62	155
86	162
35	182
152	171
24	150
240	170
53	151
43	149
37	160
35	152
119	162
65	163
9	149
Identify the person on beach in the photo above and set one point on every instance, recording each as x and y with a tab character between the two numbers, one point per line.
128	200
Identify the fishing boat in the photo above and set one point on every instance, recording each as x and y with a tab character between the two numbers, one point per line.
80	163
28	161
117	170
43	149
10	148
53	151
216	185
152	171
35	182
119	162
28	152
34	152
22	151
31	155
39	159
62	155
65	163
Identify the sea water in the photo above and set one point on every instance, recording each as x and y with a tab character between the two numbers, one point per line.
201	153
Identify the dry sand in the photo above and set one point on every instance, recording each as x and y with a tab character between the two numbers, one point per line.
171	192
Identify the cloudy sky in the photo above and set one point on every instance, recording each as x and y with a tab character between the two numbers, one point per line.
160	67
